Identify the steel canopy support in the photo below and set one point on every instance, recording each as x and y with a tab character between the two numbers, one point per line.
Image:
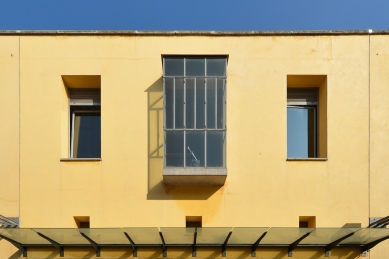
194	250
255	245
18	245
377	224
55	244
164	248
93	243
369	246
224	246
332	245
134	247
295	243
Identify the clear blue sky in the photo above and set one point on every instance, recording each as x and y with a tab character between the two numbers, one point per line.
194	15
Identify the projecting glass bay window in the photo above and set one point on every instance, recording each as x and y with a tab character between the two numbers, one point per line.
195	105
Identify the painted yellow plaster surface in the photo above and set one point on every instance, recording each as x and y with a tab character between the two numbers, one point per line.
125	188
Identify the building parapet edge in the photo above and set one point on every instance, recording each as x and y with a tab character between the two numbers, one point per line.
194	33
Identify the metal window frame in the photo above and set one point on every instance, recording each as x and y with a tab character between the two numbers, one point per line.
205	129
315	107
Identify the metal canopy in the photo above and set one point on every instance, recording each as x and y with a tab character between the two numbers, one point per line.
224	237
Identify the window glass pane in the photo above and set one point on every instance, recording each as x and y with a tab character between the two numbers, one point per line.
200	106
87	135
189	104
179	102
301	132
195	67
174	67
216	66
311	132
175	148
195	149
211	103
215	148
169	95
220	103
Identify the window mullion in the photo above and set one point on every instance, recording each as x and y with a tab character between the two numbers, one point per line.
174	103
195	99
205	121
215	102
184	119
72	143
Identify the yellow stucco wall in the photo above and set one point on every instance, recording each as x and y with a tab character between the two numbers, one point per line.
262	188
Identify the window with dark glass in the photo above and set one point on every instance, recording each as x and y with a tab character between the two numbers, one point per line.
302	123
85	124
195	111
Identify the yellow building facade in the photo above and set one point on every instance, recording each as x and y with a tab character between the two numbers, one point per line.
344	185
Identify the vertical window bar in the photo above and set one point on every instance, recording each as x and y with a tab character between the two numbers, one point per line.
205	112
195	93
174	103
205	148
72	143
215	102
205	103
314	133
184	155
224	104
164	115
157	133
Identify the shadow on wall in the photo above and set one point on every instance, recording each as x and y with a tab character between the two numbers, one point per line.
156	188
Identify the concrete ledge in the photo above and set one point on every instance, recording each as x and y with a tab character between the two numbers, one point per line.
194	176
307	159
80	159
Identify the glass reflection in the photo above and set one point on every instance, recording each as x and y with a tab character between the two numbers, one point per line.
195	149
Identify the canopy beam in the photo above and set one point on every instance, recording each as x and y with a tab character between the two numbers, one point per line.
55	244
224	246
164	248
93	243
255	245
332	245
134	247
369	246
295	243
18	245
194	249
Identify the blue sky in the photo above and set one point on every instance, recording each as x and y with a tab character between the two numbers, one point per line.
194	15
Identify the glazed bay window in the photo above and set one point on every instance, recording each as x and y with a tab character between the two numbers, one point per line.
195	112
85	123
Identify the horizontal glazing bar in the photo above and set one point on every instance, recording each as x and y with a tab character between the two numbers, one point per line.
191	77
195	129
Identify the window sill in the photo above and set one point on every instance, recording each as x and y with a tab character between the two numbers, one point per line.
194	176
307	159
80	159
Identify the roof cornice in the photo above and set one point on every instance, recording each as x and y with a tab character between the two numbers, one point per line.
193	33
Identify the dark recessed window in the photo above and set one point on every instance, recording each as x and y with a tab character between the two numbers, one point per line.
85	124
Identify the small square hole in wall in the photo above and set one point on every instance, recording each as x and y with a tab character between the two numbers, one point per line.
307	221
82	221
194	221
